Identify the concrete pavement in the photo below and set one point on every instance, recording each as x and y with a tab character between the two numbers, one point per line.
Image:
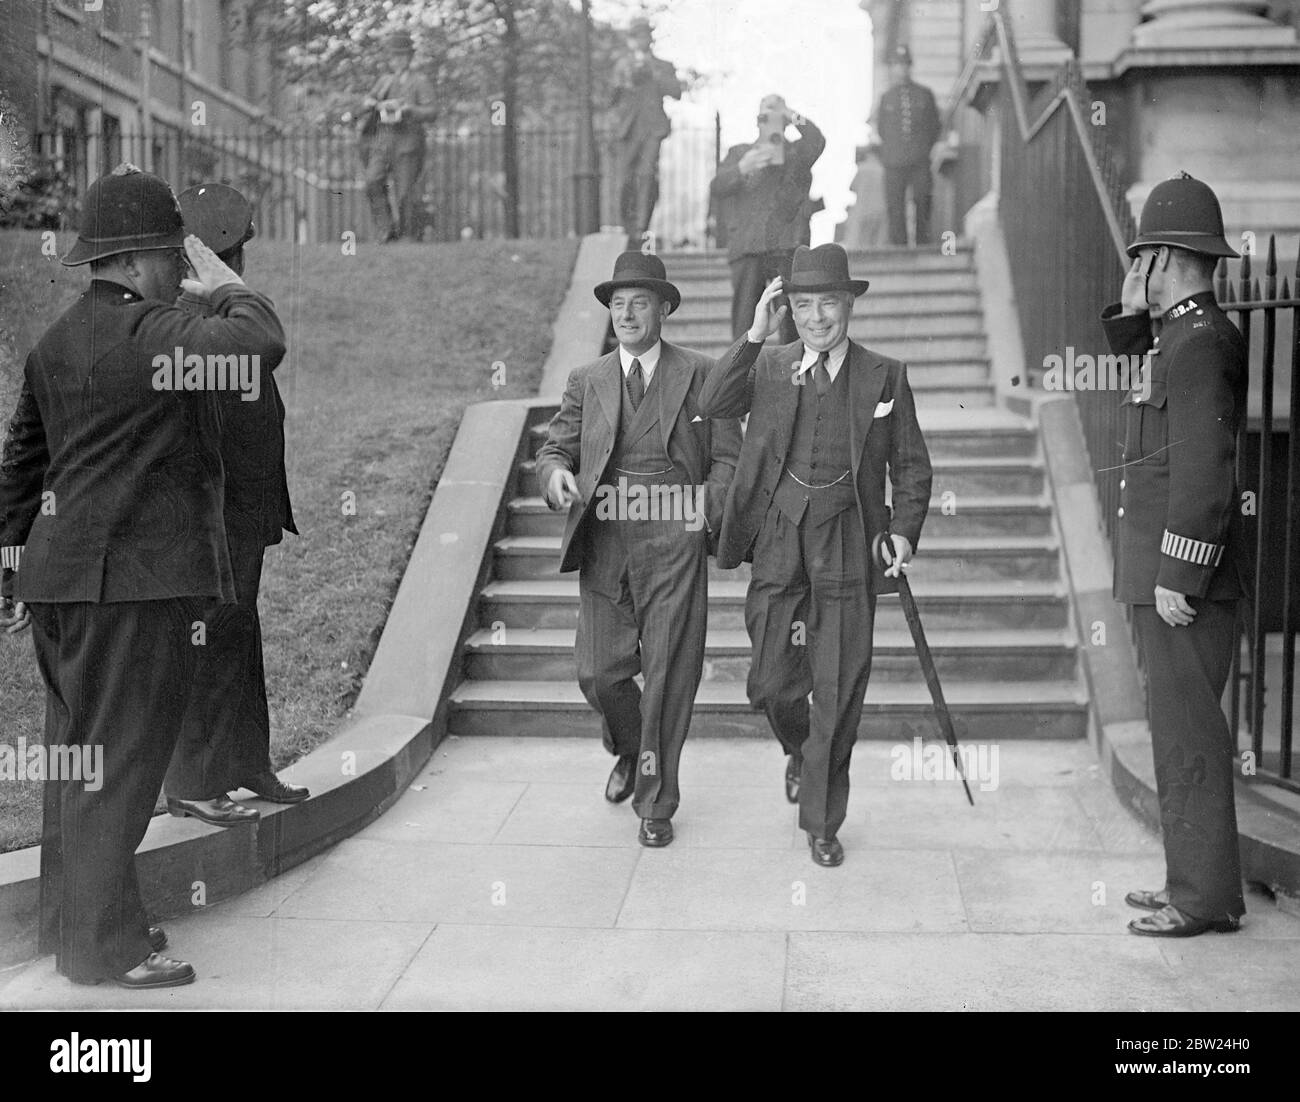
502	880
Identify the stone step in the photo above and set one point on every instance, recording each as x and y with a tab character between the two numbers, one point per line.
967	515
920	354
1001	605
978	476
944	559
546	654
900	309
868	261
960	434
982	711
682	328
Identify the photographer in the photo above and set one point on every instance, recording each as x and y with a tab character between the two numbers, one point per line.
761	188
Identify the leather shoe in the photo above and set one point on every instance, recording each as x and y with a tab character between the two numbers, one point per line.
157	939
793	771
222	812
1148	901
622	779
269	787
826	852
156	971
1169	921
655	832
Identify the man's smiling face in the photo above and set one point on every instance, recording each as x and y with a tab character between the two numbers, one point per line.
821	317
637	314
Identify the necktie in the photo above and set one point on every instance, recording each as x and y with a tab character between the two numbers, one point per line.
821	376
635	384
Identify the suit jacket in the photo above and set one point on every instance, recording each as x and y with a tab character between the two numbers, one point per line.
884	437
583	433
761	211
1181	525
412	86
907	120
639	99
252	453
111	490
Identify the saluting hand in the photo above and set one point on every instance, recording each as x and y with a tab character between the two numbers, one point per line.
767	315
1133	297
210	272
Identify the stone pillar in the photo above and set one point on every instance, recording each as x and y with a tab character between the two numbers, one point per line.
1216	24
1033	23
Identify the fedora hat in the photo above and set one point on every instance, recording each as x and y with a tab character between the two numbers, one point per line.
127	211
636	269
1184	213
825	268
217	215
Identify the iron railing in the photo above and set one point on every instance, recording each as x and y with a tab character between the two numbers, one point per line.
310	186
1066	222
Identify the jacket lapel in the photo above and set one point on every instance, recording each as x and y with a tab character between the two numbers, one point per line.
607	382
784	361
674	382
866	382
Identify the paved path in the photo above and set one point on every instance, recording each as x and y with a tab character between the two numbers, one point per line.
504	880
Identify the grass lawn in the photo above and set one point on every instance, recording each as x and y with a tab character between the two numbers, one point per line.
386	349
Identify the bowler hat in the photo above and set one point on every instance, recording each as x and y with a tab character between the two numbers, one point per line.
217	215
128	210
637	269
825	268
1184	213
901	56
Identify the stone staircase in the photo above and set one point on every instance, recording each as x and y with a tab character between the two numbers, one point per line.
988	577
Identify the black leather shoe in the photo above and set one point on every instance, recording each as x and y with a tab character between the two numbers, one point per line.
622	779
826	852
269	787
222	812
156	971
1148	901
793	771
655	832
1169	921
157	939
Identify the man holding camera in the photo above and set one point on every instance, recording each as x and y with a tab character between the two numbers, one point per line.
761	188
641	81
391	136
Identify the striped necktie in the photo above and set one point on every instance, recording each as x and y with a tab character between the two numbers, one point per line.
635	384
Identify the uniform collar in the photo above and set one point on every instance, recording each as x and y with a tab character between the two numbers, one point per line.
1192	304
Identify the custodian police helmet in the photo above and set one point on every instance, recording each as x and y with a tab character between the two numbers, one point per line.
126	211
1184	213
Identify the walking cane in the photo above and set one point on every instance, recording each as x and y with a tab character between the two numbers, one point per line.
879	547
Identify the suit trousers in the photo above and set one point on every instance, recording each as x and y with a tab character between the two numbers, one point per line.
117	677
810	614
226	734
897	182
1187	670
749	275
643	608
391	157
637	168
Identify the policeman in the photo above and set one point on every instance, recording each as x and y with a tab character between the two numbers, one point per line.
907	121
110	513
226	737
1180	560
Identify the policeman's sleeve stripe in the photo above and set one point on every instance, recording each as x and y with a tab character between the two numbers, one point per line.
9	557
1190	550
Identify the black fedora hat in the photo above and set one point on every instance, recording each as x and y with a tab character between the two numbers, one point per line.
129	210
636	269
217	215
825	268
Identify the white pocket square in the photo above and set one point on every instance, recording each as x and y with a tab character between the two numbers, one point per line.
697	417
883	408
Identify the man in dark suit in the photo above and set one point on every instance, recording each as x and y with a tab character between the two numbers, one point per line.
226	737
828	419
391	136
1181	559
907	120
640	125
643	475
110	512
761	189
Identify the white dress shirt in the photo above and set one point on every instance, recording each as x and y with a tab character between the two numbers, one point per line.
649	360
833	362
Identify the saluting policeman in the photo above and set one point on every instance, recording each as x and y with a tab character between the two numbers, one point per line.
1180	560
226	738
110	512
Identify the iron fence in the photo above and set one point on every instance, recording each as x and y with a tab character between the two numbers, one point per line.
310	186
